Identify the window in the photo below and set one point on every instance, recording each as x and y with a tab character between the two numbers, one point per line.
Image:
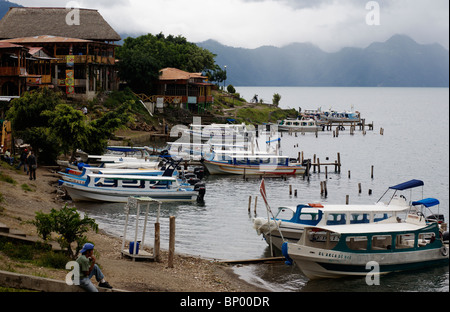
336	218
132	183
356	242
425	239
285	214
359	218
404	241
381	242
380	217
321	239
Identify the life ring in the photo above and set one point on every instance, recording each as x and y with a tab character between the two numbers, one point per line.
444	251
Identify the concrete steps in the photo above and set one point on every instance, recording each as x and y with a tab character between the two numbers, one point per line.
18	235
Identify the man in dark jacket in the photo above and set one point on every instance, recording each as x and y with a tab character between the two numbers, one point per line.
32	165
23	161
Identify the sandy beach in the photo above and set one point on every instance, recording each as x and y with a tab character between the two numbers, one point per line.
189	274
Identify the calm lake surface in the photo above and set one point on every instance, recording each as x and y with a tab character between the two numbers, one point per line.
415	145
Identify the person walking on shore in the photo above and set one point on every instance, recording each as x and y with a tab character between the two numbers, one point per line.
23	161
89	268
32	165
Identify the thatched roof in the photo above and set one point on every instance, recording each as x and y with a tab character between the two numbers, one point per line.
29	22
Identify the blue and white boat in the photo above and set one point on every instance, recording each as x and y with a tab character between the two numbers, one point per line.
362	249
247	163
80	177
289	222
117	188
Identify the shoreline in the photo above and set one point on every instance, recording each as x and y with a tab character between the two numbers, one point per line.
189	274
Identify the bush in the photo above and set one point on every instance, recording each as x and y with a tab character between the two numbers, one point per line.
276	99
69	226
53	260
231	89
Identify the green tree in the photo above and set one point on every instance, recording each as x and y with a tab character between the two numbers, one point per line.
276	99
101	129
69	126
41	119
31	125
143	57
68	225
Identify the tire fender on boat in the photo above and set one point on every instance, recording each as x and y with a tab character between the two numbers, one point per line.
444	251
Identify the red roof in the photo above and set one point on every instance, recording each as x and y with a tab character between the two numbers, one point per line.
178	74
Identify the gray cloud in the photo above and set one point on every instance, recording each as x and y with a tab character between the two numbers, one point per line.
329	24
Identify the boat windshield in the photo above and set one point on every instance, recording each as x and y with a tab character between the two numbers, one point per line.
320	238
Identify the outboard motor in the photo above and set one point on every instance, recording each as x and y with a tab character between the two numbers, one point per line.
199	172
445	237
439	218
191	178
201	188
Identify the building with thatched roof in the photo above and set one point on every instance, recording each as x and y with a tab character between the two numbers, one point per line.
61	22
78	45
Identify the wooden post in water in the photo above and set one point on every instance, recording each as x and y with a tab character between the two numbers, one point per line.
326	172
171	240
318	165
157	243
249	203
371	172
359	188
349	174
339	162
256	202
290	189
346	199
314	163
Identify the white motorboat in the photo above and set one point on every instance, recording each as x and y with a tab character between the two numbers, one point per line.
117	188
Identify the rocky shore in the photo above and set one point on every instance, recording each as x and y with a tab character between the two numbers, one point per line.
189	274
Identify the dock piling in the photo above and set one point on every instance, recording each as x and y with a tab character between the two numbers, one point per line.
171	241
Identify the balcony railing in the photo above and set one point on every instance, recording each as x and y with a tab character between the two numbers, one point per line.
11	71
83	59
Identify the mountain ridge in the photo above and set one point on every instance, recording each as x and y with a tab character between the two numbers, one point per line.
398	62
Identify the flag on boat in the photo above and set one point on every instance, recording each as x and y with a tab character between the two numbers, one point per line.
262	189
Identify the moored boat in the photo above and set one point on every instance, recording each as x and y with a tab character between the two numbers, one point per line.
253	164
289	222
362	249
299	125
117	188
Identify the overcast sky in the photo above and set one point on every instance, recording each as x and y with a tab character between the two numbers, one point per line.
329	24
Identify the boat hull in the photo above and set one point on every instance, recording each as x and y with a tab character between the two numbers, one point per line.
299	129
322	263
83	193
215	167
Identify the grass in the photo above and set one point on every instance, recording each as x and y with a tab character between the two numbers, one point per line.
37	254
27	188
6	178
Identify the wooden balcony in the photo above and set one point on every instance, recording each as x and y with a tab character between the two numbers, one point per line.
87	59
11	71
39	80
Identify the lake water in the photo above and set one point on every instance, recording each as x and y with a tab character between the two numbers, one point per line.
415	145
